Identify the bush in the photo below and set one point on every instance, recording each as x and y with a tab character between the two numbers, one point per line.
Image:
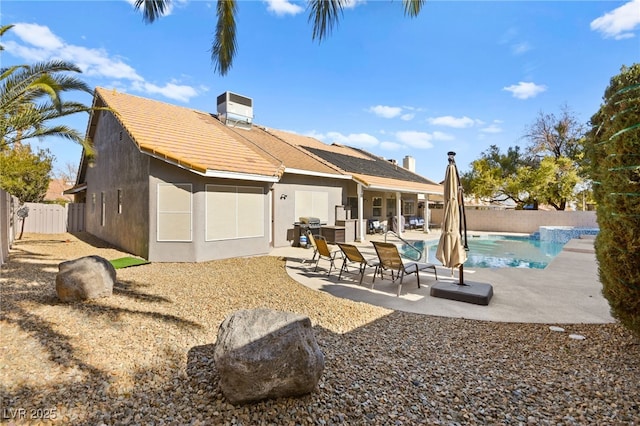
613	146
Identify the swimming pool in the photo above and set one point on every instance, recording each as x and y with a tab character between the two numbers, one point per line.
498	251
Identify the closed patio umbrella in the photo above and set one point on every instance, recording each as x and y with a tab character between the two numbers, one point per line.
451	250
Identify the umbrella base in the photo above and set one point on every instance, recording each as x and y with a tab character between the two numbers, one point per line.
470	292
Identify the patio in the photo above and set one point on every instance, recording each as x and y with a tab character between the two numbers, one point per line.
566	292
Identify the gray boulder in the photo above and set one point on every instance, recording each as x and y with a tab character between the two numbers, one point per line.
263	354
88	277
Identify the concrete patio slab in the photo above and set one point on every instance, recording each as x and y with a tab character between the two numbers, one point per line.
567	291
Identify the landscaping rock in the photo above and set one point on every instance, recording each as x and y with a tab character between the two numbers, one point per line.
88	277
263	354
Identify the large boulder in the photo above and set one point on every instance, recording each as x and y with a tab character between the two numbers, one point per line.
264	354
88	277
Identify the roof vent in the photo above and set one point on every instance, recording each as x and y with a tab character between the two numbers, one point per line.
235	110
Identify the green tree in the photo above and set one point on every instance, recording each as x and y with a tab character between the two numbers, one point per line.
324	14
31	99
548	172
562	139
497	177
25	174
555	180
613	145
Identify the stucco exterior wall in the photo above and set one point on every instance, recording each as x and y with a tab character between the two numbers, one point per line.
199	250
284	202
119	165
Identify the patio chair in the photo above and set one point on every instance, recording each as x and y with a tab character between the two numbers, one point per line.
352	255
376	227
416	222
312	240
390	259
325	253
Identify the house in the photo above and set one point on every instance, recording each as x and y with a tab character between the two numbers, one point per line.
56	189
170	183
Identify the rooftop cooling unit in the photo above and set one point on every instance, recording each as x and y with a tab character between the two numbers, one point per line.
235	110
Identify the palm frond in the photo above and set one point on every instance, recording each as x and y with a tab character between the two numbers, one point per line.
4	29
152	9
325	15
224	45
412	7
61	131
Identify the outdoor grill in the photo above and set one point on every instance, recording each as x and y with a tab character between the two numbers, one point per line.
310	223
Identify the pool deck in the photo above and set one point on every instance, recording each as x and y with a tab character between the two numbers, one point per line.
567	291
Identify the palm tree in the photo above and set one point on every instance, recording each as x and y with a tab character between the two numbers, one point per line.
324	14
31	97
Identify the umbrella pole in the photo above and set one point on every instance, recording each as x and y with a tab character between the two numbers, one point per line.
461	275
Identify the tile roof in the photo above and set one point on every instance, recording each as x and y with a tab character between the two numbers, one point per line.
374	171
191	138
292	156
199	141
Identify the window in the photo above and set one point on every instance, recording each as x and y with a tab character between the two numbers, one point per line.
174	212
352	203
409	208
93	203
103	211
377	206
234	212
391	207
312	204
119	201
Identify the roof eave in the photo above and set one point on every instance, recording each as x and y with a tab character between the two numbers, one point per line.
241	176
76	189
317	174
403	190
202	171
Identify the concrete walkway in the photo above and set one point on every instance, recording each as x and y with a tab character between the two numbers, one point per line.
567	291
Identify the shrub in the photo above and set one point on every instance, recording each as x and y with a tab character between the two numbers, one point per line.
613	147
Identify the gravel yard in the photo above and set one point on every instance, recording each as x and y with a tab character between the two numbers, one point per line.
144	356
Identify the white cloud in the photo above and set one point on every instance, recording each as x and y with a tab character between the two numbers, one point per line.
38	43
414	139
525	90
407	117
351	4
391	146
97	62
441	136
38	36
313	134
385	111
450	121
170	90
283	7
359	140
620	22
492	128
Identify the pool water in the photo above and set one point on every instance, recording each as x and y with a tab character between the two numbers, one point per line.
499	251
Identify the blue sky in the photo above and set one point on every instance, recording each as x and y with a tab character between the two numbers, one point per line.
461	76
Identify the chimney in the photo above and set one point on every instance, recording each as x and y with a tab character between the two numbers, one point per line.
409	163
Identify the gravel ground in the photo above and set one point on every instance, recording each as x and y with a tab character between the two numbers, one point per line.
145	355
